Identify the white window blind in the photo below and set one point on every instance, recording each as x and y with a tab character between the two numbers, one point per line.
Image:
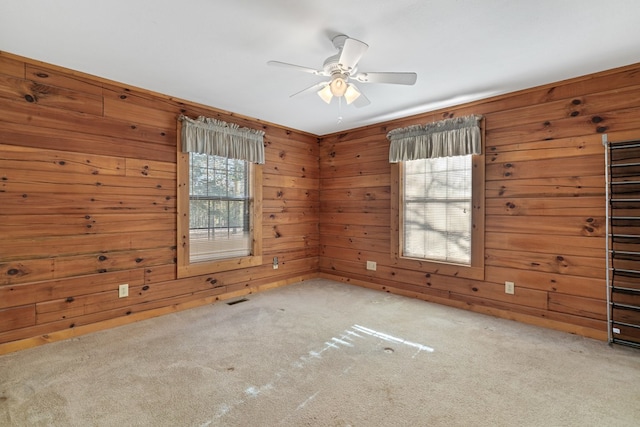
437	208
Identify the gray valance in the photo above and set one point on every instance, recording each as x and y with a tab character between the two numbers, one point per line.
217	138
447	138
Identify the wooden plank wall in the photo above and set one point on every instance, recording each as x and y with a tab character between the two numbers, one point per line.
88	202
545	203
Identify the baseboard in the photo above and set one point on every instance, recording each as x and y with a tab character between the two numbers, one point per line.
25	343
496	312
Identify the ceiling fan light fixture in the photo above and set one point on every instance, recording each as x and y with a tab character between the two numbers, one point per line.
338	85
325	94
341	68
351	94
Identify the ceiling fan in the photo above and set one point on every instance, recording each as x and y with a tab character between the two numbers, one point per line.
344	66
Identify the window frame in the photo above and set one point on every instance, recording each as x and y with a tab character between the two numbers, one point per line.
226	199
185	268
473	271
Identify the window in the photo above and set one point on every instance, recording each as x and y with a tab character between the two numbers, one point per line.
219	197
219	208
436	201
437	194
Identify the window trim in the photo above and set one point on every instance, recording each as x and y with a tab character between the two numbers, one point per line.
184	267
473	271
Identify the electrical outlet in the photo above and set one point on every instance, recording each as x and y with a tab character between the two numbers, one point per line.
123	291
371	265
275	262
509	288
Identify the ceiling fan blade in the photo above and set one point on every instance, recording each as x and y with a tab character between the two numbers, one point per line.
361	101
392	78
311	89
352	51
296	67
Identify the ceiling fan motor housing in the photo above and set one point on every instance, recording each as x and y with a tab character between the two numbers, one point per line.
338	41
331	67
332	64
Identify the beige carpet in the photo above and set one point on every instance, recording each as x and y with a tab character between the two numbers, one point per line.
322	353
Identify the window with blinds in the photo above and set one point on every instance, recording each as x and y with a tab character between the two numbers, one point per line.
219	208
437	209
219	196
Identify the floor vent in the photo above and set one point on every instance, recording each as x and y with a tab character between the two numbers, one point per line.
238	301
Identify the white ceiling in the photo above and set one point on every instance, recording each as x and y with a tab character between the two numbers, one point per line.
215	52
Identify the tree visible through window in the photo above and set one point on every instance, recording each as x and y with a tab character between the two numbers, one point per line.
437	197
219	192
219	207
437	209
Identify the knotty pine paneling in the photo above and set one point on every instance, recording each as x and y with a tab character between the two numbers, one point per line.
40	74
12	67
34	160
558	206
544	203
20	112
591	106
88	202
68	288
17	318
60	98
79	142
